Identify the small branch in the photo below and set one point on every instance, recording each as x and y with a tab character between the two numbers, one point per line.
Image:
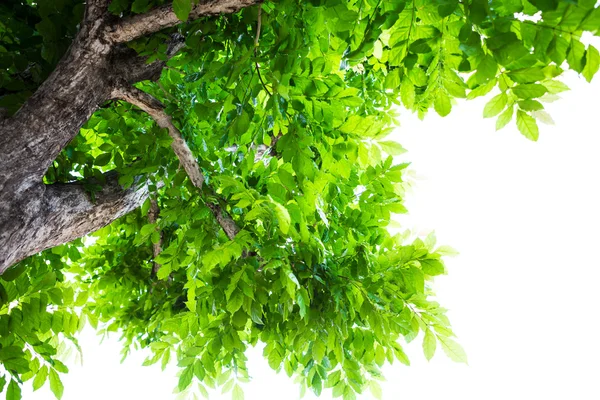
229	226
274	140
155	109
259	23
156	247
256	40
155	20
261	80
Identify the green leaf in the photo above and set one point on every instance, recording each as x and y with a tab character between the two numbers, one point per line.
529	91
182	9
442	104
40	378
303	302
407	94
504	118
375	389
185	379
527	75
283	216
530	105
318	350
555	86
13	391
575	55
527	125
235	302
429	344
432	267
592	63
482	90
103	159
56	385
495	105
392	148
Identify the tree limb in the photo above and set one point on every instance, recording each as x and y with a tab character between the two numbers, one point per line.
94	9
155	109
136	26
229	226
64	212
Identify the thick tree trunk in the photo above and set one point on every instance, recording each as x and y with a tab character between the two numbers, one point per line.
34	216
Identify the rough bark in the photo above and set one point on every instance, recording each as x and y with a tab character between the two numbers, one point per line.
96	62
64	212
163	17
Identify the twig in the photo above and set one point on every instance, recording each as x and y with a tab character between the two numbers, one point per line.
257	37
156	247
256	40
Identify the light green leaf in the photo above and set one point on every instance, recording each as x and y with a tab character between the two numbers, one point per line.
527	125
375	389
504	118
429	344
318	350
555	86
453	350
55	384
185	379
407	94
40	378
495	105
237	393
283	216
441	103
432	267
543	117
392	148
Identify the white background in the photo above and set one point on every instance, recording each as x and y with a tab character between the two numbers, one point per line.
523	293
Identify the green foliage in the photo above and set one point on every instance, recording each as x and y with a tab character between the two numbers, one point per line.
314	273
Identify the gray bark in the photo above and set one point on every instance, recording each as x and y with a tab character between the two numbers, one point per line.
34	216
64	212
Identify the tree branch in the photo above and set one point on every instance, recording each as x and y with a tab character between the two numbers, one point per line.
229	226
64	212
155	109
136	26
156	247
94	9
